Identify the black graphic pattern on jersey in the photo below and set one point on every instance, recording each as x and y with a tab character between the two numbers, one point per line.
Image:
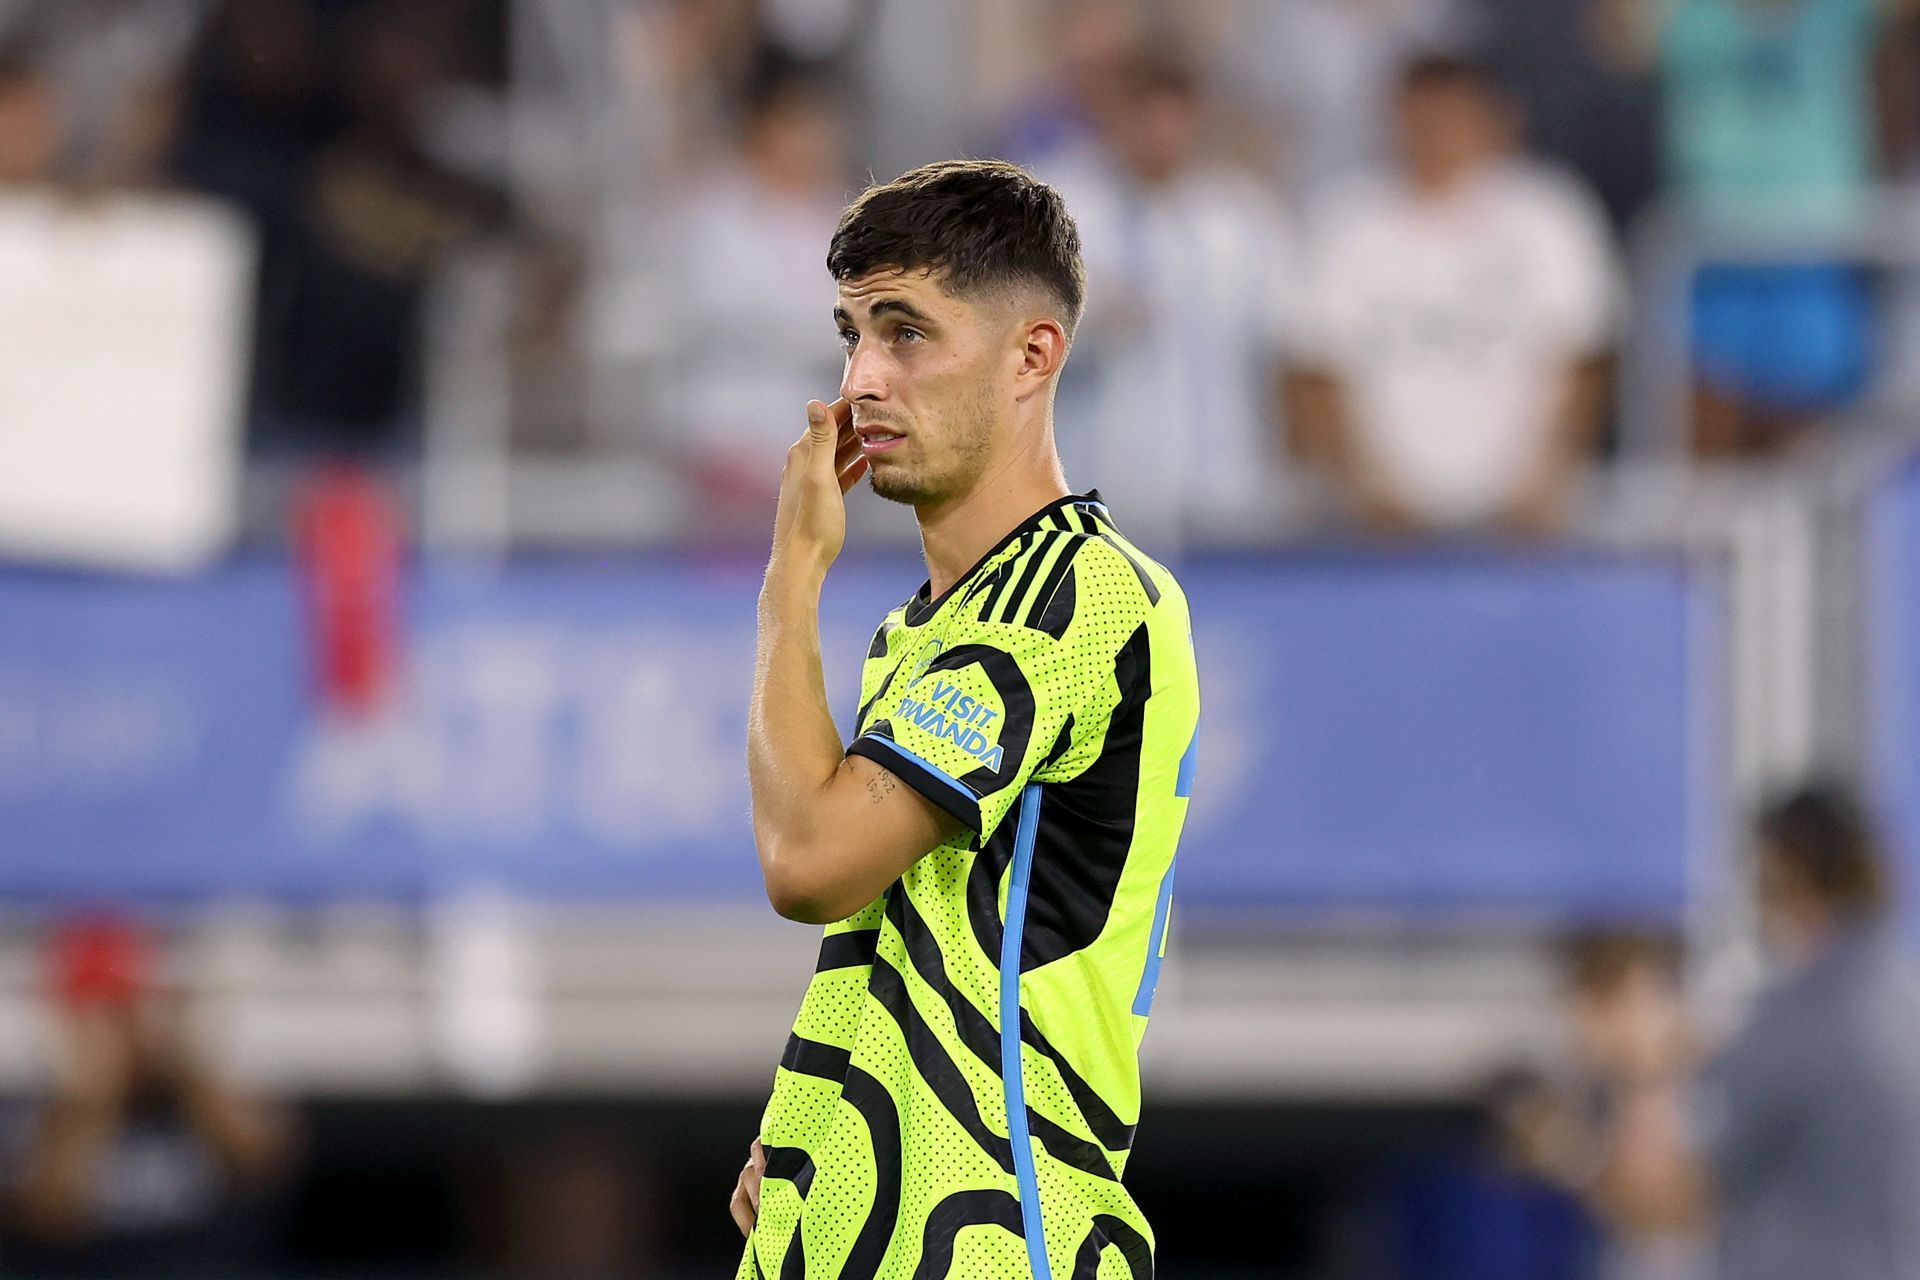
1111	1231
982	1039
847	950
962	1209
1086	827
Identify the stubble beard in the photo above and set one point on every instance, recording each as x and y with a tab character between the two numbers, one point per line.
968	441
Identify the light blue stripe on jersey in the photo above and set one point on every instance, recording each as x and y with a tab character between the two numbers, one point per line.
1156	945
931	769
1010	1066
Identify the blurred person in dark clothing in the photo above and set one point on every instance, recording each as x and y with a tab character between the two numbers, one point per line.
311	117
1799	1143
1478	1210
1809	1125
143	1162
1583	108
1449	350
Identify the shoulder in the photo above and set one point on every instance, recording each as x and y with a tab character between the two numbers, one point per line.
1119	589
1059	585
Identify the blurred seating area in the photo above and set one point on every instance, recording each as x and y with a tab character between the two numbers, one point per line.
1457	269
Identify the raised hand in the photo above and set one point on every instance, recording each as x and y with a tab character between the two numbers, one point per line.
810	526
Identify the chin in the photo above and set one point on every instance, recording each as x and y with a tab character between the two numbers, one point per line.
895	488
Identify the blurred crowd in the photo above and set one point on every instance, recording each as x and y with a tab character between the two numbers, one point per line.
1666	1144
1355	266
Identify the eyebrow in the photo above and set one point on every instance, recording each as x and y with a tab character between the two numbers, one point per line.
887	306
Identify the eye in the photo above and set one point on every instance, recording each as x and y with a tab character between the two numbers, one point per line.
848	337
907	333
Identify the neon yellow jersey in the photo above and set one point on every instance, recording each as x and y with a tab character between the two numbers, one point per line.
961	1087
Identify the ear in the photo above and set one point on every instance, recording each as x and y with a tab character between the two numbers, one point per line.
1042	350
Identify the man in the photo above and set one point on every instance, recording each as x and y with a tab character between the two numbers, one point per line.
1448	372
1809	1123
1800	1144
144	1160
993	853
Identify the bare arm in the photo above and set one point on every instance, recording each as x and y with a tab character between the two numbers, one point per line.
832	831
253	1140
55	1196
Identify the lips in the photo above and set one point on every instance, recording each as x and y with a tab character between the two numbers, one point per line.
876	439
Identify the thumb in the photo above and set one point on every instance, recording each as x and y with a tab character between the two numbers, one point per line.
819	424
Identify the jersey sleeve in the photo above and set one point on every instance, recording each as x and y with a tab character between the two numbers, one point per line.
1019	681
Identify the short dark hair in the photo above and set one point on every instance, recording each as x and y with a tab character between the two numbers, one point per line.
1436	70
975	224
1822	836
18	65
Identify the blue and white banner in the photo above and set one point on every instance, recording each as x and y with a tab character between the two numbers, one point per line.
1521	736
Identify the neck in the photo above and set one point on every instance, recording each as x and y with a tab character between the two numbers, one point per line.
957	531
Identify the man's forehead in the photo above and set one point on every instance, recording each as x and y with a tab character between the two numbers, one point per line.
919	289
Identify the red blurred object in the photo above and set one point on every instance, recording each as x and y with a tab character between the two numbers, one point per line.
99	961
347	535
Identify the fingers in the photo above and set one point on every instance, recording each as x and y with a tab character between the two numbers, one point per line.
846	450
821	427
742	1210
745	1205
851	475
848	461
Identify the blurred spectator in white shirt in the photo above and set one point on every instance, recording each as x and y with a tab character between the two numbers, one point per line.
121	361
1449	375
1168	404
737	315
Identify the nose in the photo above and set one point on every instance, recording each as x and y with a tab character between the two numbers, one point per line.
865	376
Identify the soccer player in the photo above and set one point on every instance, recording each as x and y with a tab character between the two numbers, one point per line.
992	854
